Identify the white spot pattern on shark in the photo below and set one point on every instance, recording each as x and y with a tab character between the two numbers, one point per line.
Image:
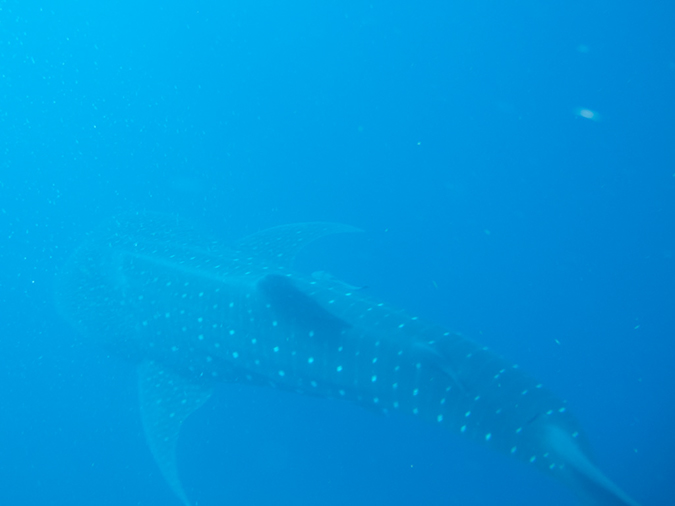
303	334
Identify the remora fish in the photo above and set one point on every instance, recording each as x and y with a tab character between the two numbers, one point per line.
192	311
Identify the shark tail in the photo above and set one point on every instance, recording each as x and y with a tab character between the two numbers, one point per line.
583	476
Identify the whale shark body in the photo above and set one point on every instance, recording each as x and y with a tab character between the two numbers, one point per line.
191	311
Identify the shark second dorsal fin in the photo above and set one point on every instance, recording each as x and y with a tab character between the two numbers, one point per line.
280	245
167	399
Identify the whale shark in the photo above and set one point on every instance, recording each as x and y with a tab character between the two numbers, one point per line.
190	310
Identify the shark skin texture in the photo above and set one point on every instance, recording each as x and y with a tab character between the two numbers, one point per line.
191	311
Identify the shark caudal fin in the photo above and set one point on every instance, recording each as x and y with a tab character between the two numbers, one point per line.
583	476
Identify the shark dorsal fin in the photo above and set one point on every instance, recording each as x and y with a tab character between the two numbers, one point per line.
167	399
279	245
298	310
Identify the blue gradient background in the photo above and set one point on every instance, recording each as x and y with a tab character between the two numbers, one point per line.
449	131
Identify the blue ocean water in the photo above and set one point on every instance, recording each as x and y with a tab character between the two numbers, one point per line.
513	165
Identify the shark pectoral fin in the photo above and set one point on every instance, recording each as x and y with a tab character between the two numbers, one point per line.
167	399
280	245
